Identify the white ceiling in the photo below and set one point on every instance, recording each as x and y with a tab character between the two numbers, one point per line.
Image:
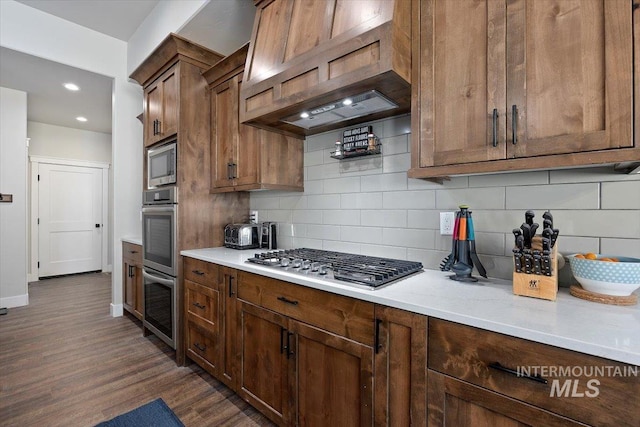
221	25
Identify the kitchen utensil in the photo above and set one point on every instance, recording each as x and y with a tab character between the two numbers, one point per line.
462	261
472	249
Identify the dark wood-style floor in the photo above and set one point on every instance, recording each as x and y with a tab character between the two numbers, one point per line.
64	361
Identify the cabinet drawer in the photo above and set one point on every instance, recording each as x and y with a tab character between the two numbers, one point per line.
201	348
202	303
344	316
132	252
202	272
582	387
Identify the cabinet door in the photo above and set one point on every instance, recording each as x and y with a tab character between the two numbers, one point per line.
224	133
569	73
333	380
228	286
264	371
400	368
456	403
462	81
128	280
161	107
247	169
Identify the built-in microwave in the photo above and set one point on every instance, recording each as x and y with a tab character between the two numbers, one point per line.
161	165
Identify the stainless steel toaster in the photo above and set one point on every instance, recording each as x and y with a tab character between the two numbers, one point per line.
242	236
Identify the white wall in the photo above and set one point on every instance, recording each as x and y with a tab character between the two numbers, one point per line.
166	17
31	31
74	144
13	216
369	206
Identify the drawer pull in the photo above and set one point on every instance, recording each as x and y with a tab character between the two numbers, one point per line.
133	252
200	347
499	367
198	305
198	272
288	301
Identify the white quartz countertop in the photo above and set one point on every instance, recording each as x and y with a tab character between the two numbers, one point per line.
136	240
608	331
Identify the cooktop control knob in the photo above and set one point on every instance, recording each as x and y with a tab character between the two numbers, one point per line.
297	262
315	266
284	262
322	270
306	264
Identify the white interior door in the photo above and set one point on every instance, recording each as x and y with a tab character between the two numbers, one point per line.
70	219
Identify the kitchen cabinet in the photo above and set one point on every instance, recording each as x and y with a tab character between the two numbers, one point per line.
305	356
245	157
177	100
132	297
482	378
161	107
400	367
535	85
304	55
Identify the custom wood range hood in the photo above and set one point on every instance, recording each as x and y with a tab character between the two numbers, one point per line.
307	57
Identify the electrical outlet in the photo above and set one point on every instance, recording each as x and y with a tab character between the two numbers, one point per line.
446	223
253	217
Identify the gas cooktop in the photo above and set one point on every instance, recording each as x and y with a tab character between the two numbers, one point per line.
366	271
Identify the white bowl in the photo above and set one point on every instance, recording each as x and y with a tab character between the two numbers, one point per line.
607	278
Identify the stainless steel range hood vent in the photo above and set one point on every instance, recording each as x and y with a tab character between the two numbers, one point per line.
345	109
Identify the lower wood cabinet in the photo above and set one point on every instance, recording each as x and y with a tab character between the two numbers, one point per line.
400	367
132	297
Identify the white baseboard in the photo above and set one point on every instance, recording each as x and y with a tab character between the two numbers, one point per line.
32	277
15	301
117	310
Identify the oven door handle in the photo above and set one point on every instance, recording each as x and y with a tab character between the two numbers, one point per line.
155	209
162	280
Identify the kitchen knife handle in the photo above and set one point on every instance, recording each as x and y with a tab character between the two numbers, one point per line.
494	126
497	366
514	123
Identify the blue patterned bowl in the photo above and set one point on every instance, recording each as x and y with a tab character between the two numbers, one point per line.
608	278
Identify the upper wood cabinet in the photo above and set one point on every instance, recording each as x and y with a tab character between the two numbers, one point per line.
521	84
244	157
304	54
161	107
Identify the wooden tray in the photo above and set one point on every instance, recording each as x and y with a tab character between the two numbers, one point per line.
579	292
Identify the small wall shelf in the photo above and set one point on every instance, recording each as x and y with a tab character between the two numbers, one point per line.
357	153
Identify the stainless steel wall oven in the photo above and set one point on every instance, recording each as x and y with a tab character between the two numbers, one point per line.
159	258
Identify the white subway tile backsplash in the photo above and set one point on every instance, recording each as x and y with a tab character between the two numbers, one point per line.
307	216
342	217
509	179
342	185
361	201
396	163
359	206
395	145
410	238
384	182
597	174
560	196
361	234
598	223
384	251
423	218
621	247
384	218
621	195
323	201
419	199
476	198
324	232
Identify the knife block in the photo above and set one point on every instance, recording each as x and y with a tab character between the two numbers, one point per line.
537	285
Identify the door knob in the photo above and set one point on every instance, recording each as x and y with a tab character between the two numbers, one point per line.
97	225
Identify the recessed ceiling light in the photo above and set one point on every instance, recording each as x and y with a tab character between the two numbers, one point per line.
81	119
71	86
347	101
304	115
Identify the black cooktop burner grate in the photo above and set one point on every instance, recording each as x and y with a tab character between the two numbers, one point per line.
360	269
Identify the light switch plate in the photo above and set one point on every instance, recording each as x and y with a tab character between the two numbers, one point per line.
446	223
